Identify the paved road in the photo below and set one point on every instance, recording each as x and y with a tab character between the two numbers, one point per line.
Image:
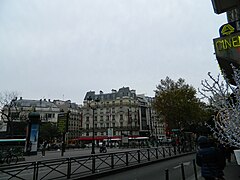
172	165
156	171
69	153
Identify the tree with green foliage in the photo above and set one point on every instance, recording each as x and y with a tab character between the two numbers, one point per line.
48	131
177	103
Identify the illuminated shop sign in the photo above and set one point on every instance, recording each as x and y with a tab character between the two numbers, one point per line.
227	51
228	46
227	42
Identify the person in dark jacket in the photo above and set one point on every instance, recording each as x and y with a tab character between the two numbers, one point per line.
210	159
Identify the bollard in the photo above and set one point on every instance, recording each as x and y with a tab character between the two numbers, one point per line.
93	164
139	157
35	165
112	161
174	149
36	170
163	149
156	152
148	152
166	174
69	168
183	173
195	169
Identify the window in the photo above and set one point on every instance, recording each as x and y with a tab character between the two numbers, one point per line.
87	118
121	117
121	124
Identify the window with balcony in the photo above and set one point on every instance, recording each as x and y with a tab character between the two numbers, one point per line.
87	119
121	117
121	124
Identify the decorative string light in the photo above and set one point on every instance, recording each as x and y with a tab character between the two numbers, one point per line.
224	98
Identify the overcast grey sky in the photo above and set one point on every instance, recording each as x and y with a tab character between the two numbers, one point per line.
60	49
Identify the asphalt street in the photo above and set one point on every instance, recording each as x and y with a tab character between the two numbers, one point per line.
69	153
156	171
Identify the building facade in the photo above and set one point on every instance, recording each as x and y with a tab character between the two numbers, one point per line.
19	109
116	114
75	117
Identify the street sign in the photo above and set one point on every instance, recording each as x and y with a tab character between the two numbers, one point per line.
62	122
110	132
175	130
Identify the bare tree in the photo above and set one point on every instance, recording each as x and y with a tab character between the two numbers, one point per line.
7	103
225	99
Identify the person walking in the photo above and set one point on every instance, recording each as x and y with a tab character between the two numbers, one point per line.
44	145
211	160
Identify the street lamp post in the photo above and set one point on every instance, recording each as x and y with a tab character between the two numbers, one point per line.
93	134
93	124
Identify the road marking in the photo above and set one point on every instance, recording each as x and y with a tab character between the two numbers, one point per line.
184	164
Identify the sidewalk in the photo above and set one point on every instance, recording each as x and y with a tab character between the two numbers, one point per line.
231	171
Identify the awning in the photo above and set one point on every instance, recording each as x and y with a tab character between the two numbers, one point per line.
101	138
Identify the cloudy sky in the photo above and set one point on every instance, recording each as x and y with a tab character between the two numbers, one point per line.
60	49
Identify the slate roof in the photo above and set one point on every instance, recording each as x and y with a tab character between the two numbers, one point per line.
122	92
35	103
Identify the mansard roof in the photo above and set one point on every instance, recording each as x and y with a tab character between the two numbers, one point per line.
35	103
122	92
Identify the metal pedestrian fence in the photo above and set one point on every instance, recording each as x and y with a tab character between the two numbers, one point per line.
85	166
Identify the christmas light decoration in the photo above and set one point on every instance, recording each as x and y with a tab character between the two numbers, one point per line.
224	98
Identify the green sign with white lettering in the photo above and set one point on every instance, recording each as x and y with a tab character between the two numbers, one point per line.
62	122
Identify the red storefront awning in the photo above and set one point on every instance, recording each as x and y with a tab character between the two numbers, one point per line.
101	138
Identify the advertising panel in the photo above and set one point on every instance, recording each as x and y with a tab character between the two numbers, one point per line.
34	137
